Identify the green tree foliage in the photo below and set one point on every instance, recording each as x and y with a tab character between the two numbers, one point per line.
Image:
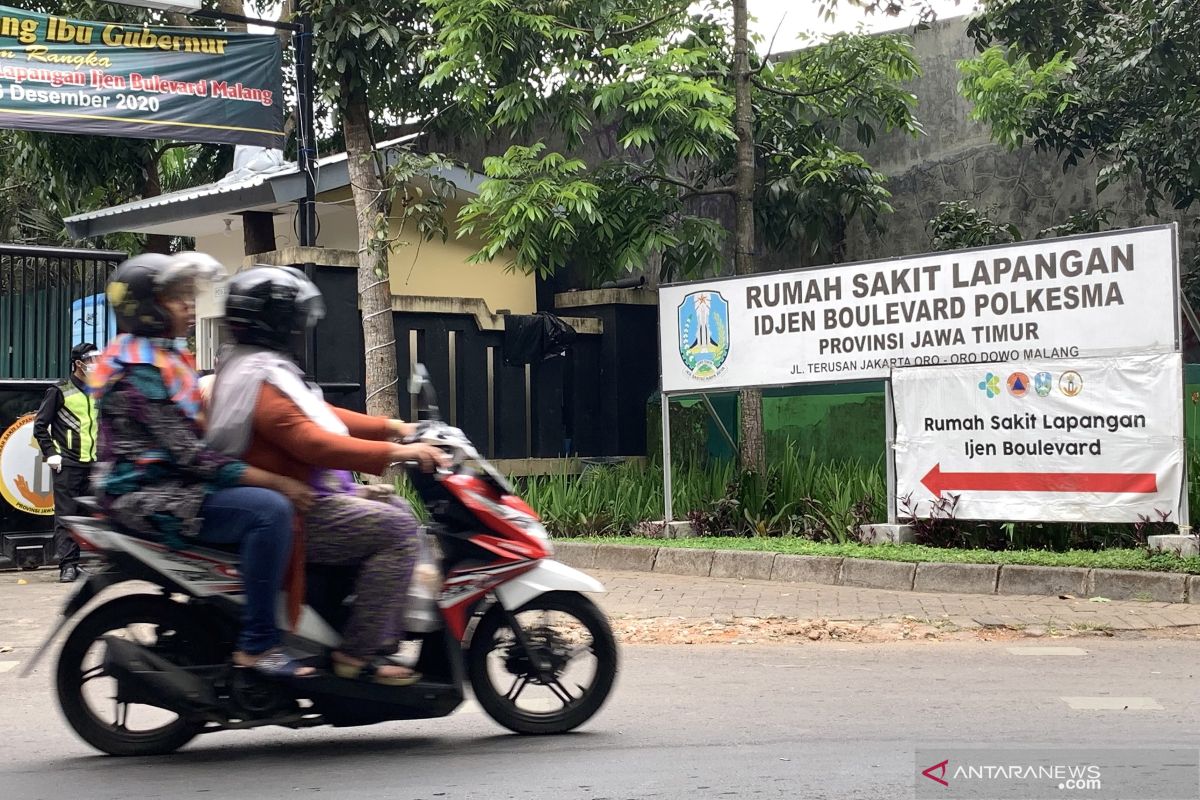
370	66
958	225
660	75
1111	80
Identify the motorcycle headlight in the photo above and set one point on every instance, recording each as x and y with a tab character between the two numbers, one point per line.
526	523
536	530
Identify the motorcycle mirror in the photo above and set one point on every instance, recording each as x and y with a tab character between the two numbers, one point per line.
419	383
418	380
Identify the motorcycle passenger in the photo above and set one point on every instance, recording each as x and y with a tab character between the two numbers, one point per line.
158	478
264	411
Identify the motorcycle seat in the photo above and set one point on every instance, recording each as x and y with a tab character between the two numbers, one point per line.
97	518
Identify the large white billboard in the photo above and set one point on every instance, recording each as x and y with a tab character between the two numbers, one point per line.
1079	297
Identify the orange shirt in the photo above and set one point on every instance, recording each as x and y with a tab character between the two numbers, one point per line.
288	443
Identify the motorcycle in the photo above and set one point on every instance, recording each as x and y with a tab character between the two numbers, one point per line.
539	656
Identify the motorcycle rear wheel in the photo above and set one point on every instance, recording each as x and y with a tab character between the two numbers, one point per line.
177	633
495	654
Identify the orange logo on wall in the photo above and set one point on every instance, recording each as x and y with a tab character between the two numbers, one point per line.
25	480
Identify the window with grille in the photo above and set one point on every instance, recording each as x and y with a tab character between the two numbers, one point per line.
209	338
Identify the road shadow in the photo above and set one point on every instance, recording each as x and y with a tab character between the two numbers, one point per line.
338	752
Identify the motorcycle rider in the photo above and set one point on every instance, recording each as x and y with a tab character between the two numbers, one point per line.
157	477
264	411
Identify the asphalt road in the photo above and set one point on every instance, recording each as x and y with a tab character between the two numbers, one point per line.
817	720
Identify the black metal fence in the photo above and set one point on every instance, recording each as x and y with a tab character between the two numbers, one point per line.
508	410
50	300
591	403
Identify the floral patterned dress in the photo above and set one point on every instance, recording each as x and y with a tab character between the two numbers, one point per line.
155	470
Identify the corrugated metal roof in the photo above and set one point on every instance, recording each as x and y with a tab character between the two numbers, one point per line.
222	186
184	195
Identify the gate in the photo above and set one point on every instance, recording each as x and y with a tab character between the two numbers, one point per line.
50	300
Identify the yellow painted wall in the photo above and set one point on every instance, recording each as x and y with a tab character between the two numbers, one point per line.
434	268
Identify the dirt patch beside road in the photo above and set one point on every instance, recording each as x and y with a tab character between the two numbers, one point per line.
757	631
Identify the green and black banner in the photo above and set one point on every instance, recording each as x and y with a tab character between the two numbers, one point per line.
119	79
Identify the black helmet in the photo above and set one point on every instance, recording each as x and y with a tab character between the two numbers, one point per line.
272	307
82	352
135	287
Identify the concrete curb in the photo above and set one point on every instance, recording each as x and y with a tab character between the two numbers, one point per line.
741	565
1161	587
957	578
872	574
1018	579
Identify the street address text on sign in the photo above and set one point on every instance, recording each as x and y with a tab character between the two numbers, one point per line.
1088	440
1072	298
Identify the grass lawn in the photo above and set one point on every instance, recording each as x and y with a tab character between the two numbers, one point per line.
1102	559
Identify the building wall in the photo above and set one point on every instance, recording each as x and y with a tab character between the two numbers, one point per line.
957	160
434	268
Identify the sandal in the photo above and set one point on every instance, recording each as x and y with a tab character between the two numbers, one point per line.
369	671
277	664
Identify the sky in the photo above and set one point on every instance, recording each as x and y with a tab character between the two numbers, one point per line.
794	18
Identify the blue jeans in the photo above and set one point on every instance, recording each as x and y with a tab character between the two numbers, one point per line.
259	520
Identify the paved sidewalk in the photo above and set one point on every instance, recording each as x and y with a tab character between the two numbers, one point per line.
645	595
28	610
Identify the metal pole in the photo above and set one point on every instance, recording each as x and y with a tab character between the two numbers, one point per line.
206	13
302	44
889	427
306	227
1185	512
306	132
666	438
306	150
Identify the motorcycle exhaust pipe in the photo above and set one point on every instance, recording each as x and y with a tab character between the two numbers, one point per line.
145	678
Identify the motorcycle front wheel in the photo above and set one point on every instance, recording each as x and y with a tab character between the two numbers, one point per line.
555	676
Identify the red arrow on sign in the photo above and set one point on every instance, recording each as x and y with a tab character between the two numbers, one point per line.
937	482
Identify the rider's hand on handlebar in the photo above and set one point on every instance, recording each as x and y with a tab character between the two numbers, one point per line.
401	430
428	456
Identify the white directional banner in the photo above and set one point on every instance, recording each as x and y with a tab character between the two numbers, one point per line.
1087	440
1098	295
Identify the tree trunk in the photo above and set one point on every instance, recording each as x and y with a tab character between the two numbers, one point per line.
179	20
237	7
152	187
374	283
287	13
753	452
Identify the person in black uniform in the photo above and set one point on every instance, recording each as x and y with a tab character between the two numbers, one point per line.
66	432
